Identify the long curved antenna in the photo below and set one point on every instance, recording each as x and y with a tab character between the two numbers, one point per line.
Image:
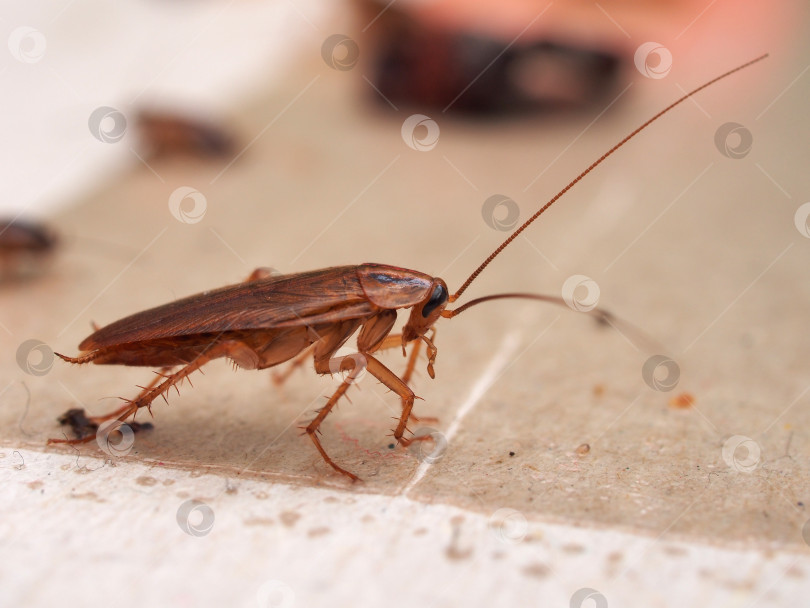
630	332
525	224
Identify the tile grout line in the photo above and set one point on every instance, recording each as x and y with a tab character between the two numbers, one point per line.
492	372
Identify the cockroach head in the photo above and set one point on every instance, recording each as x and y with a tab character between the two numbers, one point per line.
425	313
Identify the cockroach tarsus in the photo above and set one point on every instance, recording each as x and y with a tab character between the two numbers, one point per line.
267	320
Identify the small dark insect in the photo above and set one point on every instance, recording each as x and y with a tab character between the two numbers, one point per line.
165	134
25	249
268	320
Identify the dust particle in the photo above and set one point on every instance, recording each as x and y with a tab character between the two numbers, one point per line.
537	570
583	449
35	485
259	521
598	390
288	518
682	401
87	496
145	480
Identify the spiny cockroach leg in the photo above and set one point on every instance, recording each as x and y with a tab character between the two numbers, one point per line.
152	390
313	427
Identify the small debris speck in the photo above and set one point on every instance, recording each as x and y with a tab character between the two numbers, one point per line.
511	453
583	449
682	401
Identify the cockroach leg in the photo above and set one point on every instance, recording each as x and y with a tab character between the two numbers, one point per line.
156	388
312	427
394	340
85	426
432	351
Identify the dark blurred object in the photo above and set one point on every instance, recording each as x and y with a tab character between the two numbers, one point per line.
168	134
25	249
83	425
415	64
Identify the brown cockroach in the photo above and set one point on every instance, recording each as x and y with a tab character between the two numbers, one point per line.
268	320
25	248
165	134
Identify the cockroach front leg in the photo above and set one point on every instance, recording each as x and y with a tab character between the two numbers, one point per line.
394	340
349	364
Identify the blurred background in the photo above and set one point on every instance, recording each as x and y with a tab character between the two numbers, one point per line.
482	60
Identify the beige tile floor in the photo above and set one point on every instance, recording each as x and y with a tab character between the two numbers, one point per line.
700	250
